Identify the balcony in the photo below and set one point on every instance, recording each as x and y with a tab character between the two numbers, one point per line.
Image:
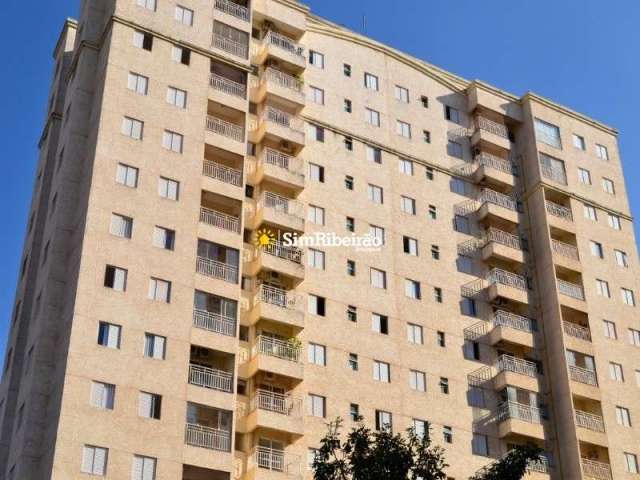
277	257
491	169
275	411
286	87
565	255
281	47
516	372
519	419
277	210
212	378
277	304
507	285
234	9
583	375
228	86
589	421
222	173
214	322
278	168
226	132
220	220
553	173
490	132
497	205
503	246
511	328
232	41
560	216
275	464
596	470
269	354
207	437
571	294
576	331
278	126
216	269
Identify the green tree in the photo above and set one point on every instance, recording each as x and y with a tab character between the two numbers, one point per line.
512	466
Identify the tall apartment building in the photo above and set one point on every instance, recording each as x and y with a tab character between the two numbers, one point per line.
152	338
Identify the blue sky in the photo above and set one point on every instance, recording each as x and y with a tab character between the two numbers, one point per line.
580	53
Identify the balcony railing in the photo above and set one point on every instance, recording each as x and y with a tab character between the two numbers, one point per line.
210	378
511	320
282	204
226	129
283	119
565	249
277	348
589	421
506	278
223	173
555	174
483	123
230	46
216	269
570	289
576	331
279	297
518	411
541	465
282	79
497	163
508	363
278	249
500	199
207	437
277	402
503	238
583	375
228	86
232	9
285	43
214	322
277	460
559	211
219	220
596	470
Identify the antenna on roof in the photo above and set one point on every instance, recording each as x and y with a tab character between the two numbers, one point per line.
364	24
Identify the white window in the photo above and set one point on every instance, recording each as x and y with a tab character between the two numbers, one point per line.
410	246
590	213
316	95
417	381
602	153
377	233
372	117
316	173
138	39
317	354
374	154
602	287
608	186
383	420
547	133
121	226
375	194
408	205
154	346
628	297
316	59
94	460
414	334
172	141
315	215
316	405
138	83
622	416
480	445
634	337
371	81
609	329
403	129
159	290
621	258
163	238
316	305
143	468
315	259
615	371
405	166
381	371
177	97
380	323
132	128
102	395
614	222
596	249
378	278
177	53
148	4
116	278
127	175
402	94
184	15
412	289
584	176
631	463
316	132
419	427
168	188
109	335
578	142
149	405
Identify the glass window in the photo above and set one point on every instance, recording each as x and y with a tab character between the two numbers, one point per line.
417	381
381	371
316	59
414	334
547	133
402	94
578	142
317	354
378	278
371	81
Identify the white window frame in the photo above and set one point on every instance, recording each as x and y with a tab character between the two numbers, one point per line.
316	259
317	405
372	117
94	460
371	81
102	395
417	381
402	94
415	334
155	346
121	226
403	129
132	128
375	194
127	175
168	188
408	205
315	214
159	290
317	354
177	97
184	15
172	141
316	95
138	83
378	278
584	176
405	166
381	371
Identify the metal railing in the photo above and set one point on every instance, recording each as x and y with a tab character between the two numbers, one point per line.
283	80
282	160
583	375
497	163
282	204
207	437
508	363
596	470
555	174
475	331
576	331
285	43
491	196
284	119
210	378
215	269
228	86
233	9
277	348
590	421
570	289
503	238
278	249
278	297
223	173
226	129
565	249
502	318
214	322
230	46
518	411
509	279
483	123
219	219
541	465
277	460
277	402
559	211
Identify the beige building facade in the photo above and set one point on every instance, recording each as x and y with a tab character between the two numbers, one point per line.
153	338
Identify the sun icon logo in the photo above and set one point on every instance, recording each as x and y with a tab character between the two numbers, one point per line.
265	237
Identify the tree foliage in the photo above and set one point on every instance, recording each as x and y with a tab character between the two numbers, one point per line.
512	466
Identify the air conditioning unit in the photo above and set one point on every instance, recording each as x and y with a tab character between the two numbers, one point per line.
285	146
476	151
271	275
